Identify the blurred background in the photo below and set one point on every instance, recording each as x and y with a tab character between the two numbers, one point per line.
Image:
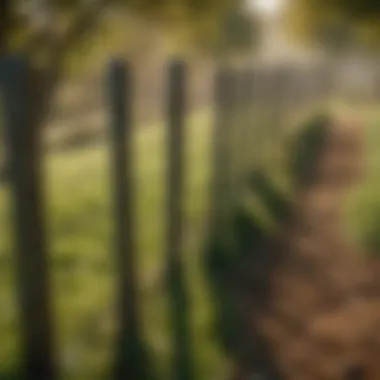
290	58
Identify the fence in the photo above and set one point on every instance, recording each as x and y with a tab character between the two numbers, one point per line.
235	94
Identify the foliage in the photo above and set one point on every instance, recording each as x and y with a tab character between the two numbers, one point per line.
363	207
335	24
356	9
231	32
306	148
237	32
229	251
200	23
83	263
224	257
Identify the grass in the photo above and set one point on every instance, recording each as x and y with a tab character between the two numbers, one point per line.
78	194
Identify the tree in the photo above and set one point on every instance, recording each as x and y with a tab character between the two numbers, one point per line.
238	32
335	24
355	9
49	31
231	32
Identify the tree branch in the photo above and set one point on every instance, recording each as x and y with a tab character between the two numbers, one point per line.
5	16
82	22
38	39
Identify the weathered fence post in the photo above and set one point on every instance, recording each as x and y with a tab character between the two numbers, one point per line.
248	78
280	90
264	106
129	363
178	295
249	132
326	81
220	185
24	139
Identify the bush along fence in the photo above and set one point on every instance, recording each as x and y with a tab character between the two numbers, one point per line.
235	94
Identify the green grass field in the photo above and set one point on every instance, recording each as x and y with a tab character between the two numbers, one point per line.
78	195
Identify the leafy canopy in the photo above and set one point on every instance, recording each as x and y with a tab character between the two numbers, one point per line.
335	24
212	25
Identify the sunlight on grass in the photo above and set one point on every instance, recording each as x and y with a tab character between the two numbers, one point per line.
80	229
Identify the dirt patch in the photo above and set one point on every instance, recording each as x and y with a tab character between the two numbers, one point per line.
320	316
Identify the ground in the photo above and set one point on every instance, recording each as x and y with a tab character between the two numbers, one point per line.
80	226
319	318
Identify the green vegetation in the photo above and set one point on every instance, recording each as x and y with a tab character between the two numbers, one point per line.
80	231
243	238
363	211
335	25
80	228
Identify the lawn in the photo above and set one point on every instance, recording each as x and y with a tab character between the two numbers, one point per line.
78	195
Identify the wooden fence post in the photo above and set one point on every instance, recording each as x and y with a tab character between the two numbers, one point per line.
248	77
129	361
326	83
280	91
279	80
250	136
220	185
265	106
24	139
178	295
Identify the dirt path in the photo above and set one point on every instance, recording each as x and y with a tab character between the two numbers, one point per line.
320	318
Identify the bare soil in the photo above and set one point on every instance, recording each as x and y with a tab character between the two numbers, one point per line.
319	315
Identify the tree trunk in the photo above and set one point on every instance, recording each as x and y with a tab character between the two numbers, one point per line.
5	22
5	13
